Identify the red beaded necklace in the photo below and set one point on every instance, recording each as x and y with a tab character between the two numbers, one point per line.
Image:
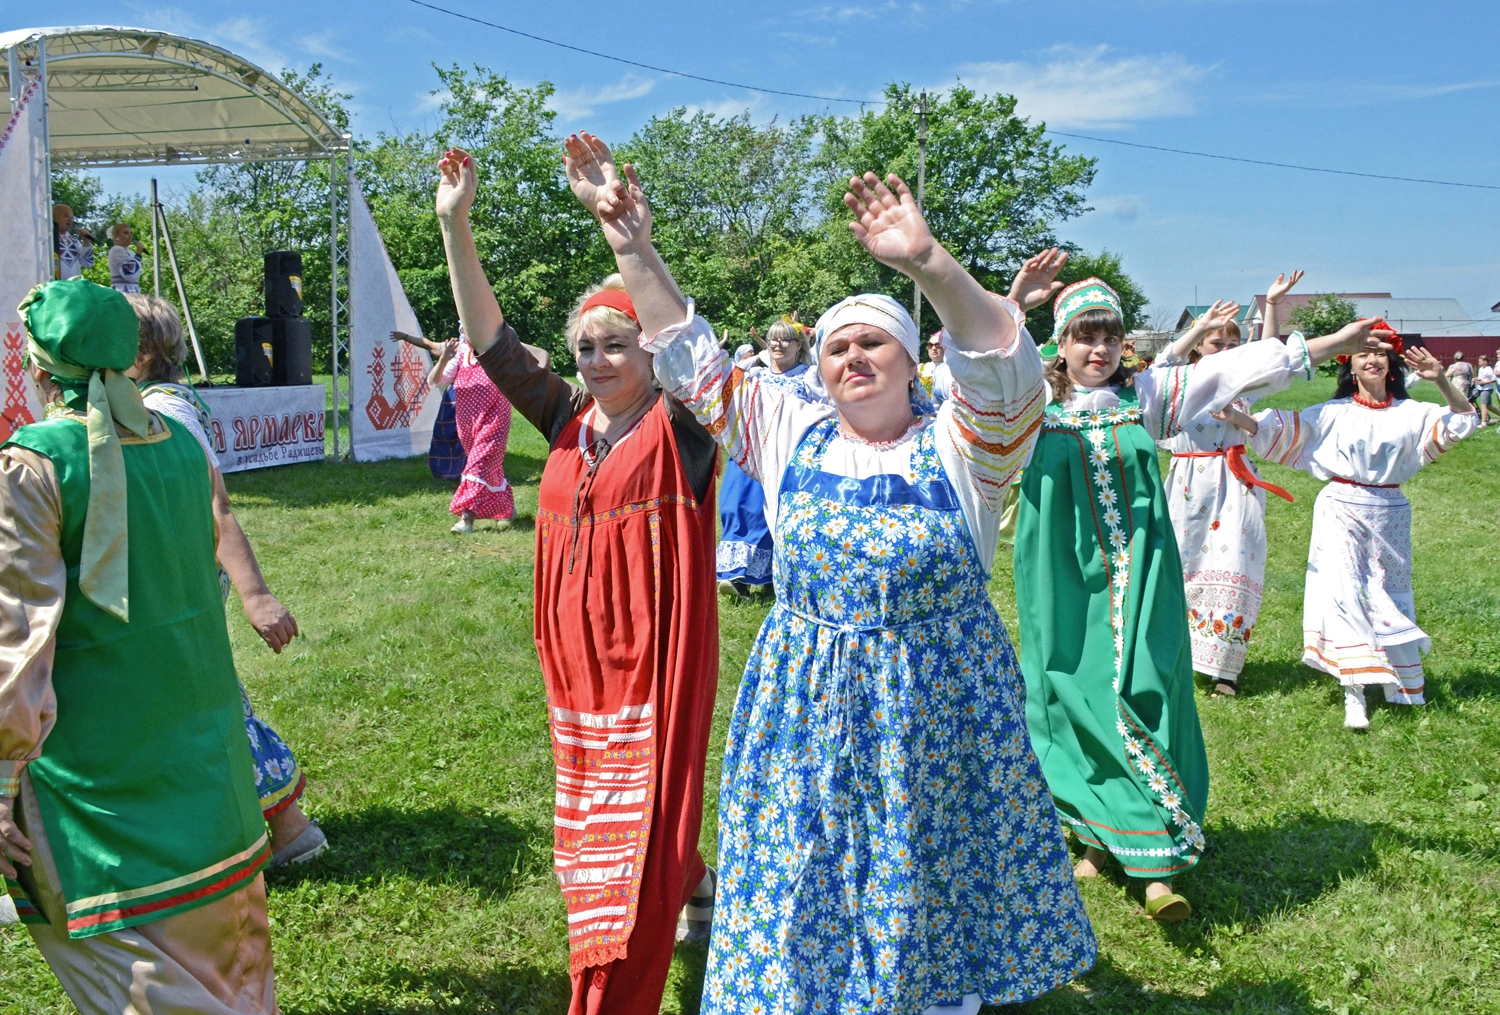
1362	400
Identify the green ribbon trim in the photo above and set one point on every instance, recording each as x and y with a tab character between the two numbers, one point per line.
104	568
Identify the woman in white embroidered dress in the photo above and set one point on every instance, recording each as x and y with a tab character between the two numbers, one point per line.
1218	506
744	553
885	842
1359	615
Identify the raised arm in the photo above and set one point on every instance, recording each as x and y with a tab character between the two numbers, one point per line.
1427	366
620	207
888	224
1218	315
1275	293
477	307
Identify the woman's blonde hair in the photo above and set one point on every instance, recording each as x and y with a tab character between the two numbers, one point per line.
599	320
159	336
1087	322
784	331
1228	329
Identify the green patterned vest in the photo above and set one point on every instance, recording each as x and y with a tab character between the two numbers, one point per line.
145	783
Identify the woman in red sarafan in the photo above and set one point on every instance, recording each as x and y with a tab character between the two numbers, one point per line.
482	416
626	621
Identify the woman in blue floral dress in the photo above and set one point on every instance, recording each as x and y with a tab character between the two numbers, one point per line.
887	842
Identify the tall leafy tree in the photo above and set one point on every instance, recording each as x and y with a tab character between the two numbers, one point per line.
996	188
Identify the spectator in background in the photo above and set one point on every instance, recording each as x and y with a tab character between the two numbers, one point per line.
124	260
1461	373
445	455
72	250
935	376
1484	389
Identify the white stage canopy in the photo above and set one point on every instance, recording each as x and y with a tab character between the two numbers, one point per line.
131	97
107	96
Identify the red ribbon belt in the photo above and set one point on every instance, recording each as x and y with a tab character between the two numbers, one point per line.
1372	486
1235	456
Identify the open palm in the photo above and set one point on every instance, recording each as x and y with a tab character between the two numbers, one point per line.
619	205
1283	285
457	183
1036	282
887	221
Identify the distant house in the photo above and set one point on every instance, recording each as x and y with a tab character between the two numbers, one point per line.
1191	313
1255	315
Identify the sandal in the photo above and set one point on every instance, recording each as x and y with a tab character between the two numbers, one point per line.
1168	908
1227	689
698	915
312	842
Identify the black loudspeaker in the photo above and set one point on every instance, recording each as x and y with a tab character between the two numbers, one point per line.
291	350
253	352
284	283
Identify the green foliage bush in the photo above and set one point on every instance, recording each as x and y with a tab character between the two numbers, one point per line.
750	216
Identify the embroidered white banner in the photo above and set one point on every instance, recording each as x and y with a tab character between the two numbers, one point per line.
390	413
25	255
254	428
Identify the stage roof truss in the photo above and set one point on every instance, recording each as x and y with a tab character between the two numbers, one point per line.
126	96
137	97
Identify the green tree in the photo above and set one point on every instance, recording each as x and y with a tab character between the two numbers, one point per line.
996	188
1102	265
1324	314
734	206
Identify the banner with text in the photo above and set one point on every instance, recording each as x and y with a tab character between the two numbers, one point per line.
254	428
390	413
25	255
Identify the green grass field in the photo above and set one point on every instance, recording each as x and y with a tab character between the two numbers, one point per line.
1345	873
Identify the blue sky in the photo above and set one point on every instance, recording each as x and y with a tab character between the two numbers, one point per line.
1408	90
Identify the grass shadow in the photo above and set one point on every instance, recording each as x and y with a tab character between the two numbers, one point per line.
1250	874
1265	677
507	989
442	845
686	981
1108	988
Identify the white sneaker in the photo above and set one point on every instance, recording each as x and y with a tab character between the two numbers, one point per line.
463	527
1355	715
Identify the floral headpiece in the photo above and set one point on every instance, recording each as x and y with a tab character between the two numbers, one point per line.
1090	294
1379	324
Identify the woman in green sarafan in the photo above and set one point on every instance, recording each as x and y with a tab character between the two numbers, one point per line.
1104	638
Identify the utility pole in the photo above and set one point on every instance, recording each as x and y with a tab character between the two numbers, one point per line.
155	238
916	312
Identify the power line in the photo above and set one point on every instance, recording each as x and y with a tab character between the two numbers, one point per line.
878	102
637	63
1278	165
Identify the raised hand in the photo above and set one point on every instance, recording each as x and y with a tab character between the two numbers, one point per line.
887	222
1278	289
457	183
1423	362
1217	316
1036	282
620	206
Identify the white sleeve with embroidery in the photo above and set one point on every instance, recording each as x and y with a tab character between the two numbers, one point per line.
1173	394
1444	428
991	419
1282	435
758	424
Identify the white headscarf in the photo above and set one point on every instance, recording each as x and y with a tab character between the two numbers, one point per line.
874	309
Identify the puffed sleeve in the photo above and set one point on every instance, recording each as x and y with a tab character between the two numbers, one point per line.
1285	436
995	410
744	415
1444	428
33	582
1172	394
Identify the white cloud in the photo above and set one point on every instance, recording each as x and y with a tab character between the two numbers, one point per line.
577	103
1090	88
322	45
432	100
246	36
1121	206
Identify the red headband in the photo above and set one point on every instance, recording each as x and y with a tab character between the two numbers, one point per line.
615	299
1396	343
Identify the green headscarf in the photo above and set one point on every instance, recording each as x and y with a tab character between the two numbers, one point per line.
85	336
